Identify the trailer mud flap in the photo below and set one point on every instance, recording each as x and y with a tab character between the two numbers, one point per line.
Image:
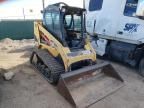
89	85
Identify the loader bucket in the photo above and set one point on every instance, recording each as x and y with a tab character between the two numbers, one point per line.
89	85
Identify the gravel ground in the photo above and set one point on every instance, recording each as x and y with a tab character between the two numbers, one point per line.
28	89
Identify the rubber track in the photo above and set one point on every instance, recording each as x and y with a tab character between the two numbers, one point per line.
50	62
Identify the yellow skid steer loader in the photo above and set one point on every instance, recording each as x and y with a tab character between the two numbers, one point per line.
65	57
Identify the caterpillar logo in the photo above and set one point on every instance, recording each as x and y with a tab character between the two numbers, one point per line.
131	27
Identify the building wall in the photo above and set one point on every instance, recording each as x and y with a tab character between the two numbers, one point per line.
16	29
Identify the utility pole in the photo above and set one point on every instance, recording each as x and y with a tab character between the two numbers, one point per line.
84	4
23	14
43	3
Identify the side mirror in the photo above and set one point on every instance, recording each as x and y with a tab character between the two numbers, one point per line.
140	8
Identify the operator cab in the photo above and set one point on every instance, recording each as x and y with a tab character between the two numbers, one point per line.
66	23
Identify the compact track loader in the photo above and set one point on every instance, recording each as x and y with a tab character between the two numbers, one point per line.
65	57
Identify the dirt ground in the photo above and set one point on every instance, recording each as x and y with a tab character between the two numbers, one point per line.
28	89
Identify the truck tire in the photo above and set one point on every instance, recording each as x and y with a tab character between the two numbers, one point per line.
141	67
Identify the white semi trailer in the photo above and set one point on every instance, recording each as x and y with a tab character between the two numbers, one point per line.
119	26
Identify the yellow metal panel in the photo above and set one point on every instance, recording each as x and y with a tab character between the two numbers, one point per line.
53	51
57	49
80	58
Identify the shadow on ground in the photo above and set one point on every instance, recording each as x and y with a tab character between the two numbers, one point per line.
22	49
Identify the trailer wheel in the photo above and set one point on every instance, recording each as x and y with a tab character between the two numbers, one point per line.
141	67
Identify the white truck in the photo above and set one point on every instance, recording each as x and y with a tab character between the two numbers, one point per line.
119	26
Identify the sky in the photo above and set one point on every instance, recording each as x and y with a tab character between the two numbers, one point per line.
17	9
